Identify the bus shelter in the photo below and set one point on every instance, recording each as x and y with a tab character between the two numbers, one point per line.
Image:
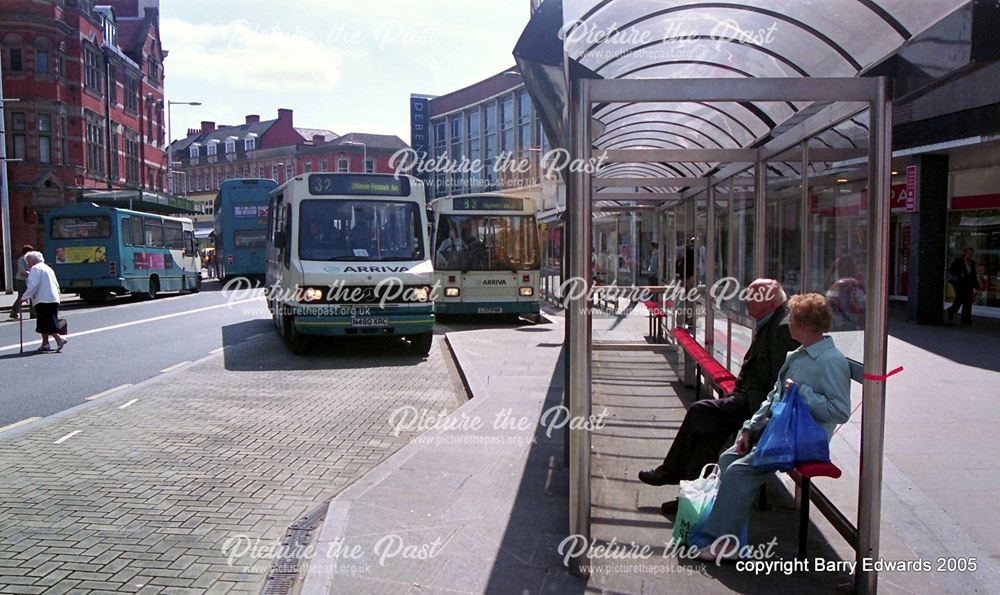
755	138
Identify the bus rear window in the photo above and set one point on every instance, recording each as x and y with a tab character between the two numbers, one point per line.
250	238
88	226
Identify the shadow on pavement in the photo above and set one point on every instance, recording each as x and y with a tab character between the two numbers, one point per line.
970	345
255	345
528	560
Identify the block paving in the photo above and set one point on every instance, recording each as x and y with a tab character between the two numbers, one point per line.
230	450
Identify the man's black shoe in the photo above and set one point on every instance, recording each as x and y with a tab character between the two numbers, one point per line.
669	509
655	477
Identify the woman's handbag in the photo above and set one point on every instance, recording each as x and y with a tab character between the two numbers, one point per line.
695	497
790	437
63	327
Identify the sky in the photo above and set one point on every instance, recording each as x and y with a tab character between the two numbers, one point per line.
343	65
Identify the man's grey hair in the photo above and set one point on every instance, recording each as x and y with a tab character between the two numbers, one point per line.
34	257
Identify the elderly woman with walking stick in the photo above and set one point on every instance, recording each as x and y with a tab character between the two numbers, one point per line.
43	292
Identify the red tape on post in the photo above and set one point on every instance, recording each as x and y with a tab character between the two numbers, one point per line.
882	378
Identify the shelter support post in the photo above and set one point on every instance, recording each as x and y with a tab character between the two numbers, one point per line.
873	391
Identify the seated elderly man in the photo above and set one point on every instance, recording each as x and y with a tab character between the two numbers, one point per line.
708	424
824	382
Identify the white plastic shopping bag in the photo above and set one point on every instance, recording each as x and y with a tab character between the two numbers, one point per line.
695	496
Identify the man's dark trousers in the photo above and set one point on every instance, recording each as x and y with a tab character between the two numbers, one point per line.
706	428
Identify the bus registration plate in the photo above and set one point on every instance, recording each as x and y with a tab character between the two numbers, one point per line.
82	283
370	322
495	310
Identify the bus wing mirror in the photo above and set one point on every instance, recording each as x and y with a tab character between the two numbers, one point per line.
279	238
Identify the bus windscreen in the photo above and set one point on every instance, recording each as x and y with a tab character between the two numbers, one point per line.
487	243
360	230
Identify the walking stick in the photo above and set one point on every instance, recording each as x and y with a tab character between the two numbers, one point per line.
20	329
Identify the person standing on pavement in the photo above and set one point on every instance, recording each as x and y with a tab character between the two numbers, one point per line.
20	281
710	422
43	291
653	270
964	279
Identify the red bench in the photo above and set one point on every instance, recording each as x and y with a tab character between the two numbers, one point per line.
714	372
655	315
802	475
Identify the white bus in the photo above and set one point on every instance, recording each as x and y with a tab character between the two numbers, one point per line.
486	255
347	256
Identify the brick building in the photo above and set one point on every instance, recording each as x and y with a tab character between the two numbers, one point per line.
89	80
274	149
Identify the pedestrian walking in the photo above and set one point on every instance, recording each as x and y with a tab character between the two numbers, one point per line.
964	279
43	291
20	281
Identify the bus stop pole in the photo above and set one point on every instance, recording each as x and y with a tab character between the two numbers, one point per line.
873	391
710	247
759	219
579	322
8	274
806	232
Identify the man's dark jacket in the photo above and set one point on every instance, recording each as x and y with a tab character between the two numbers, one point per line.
764	358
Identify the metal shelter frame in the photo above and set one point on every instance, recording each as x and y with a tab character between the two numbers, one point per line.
837	99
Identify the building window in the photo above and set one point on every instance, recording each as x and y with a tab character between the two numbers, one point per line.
154	72
524	120
16	62
507	124
41	61
260	173
95	145
274	173
289	171
18	138
112	84
475	151
230	146
44	138
369	166
113	142
210	148
131	90
149	122
161	131
132	156
343	165
92	78
193	151
250	144
309	166
324	166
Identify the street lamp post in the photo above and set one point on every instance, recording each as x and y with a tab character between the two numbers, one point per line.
364	147
8	273
170	141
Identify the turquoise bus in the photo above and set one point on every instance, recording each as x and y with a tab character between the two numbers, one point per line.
241	228
97	251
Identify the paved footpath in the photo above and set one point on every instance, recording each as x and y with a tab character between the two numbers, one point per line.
140	491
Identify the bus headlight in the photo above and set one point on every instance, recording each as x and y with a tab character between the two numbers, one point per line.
421	294
527	291
312	294
452	292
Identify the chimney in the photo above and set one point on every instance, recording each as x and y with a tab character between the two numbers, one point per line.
207	126
253	119
318	139
193	131
285	116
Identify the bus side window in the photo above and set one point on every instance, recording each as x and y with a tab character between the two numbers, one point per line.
137	231
287	220
152	230
189	247
126	231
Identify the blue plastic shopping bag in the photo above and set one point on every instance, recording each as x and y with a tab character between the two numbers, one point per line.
792	436
776	448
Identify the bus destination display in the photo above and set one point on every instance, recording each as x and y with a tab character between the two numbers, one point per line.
364	185
488	203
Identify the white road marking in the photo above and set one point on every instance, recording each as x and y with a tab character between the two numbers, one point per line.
67	437
107	392
129	404
135	322
175	366
17	424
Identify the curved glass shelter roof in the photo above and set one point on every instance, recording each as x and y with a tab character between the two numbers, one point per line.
695	39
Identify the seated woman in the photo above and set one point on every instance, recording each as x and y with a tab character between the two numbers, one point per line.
824	381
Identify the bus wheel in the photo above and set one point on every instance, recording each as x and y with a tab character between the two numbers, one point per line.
421	344
297	342
95	296
154	288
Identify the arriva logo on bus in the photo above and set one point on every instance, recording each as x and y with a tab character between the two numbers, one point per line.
367	269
